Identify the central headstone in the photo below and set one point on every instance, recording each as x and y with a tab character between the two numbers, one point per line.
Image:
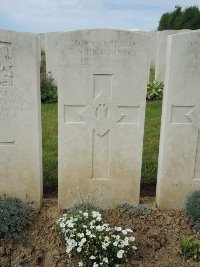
102	78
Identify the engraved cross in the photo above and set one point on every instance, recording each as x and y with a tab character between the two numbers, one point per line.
101	114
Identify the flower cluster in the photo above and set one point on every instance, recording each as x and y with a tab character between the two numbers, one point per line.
96	243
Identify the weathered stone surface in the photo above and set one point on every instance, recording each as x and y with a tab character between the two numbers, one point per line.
161	51
102	77
42	41
153	49
179	156
20	125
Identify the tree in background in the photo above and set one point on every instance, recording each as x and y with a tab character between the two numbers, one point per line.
179	19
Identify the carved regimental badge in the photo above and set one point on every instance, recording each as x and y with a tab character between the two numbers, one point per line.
6	64
101	114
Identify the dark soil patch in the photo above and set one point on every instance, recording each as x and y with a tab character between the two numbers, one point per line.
50	191
148	189
157	233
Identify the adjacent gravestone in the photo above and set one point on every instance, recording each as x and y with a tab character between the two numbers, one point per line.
42	41
51	40
102	78
153	49
20	125
179	156
161	50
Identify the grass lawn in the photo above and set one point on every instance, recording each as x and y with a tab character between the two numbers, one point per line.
151	141
50	146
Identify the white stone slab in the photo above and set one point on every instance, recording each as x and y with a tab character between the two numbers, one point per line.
51	40
179	156
153	49
20	123
102	78
161	52
42	41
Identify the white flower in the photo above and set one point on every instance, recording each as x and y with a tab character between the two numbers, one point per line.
80	235
105	260
126	241
80	264
95	214
95	264
62	225
69	249
88	232
92	257
104	245
134	247
115	243
79	249
99	228
107	238
117	237
120	253
98	218
129	230
85	214
124	232
83	240
132	238
118	229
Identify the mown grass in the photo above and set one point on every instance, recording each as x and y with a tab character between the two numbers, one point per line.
50	142
50	146
151	141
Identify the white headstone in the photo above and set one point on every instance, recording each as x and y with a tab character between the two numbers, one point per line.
161	52
102	78
179	156
51	40
153	49
20	124
42	41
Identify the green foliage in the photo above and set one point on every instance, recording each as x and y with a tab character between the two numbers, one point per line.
189	248
48	88
50	146
88	236
13	218
132	209
193	205
189	18
151	141
155	90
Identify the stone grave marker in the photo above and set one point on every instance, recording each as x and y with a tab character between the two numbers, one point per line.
153	49
179	156
20	124
102	78
51	40
161	50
